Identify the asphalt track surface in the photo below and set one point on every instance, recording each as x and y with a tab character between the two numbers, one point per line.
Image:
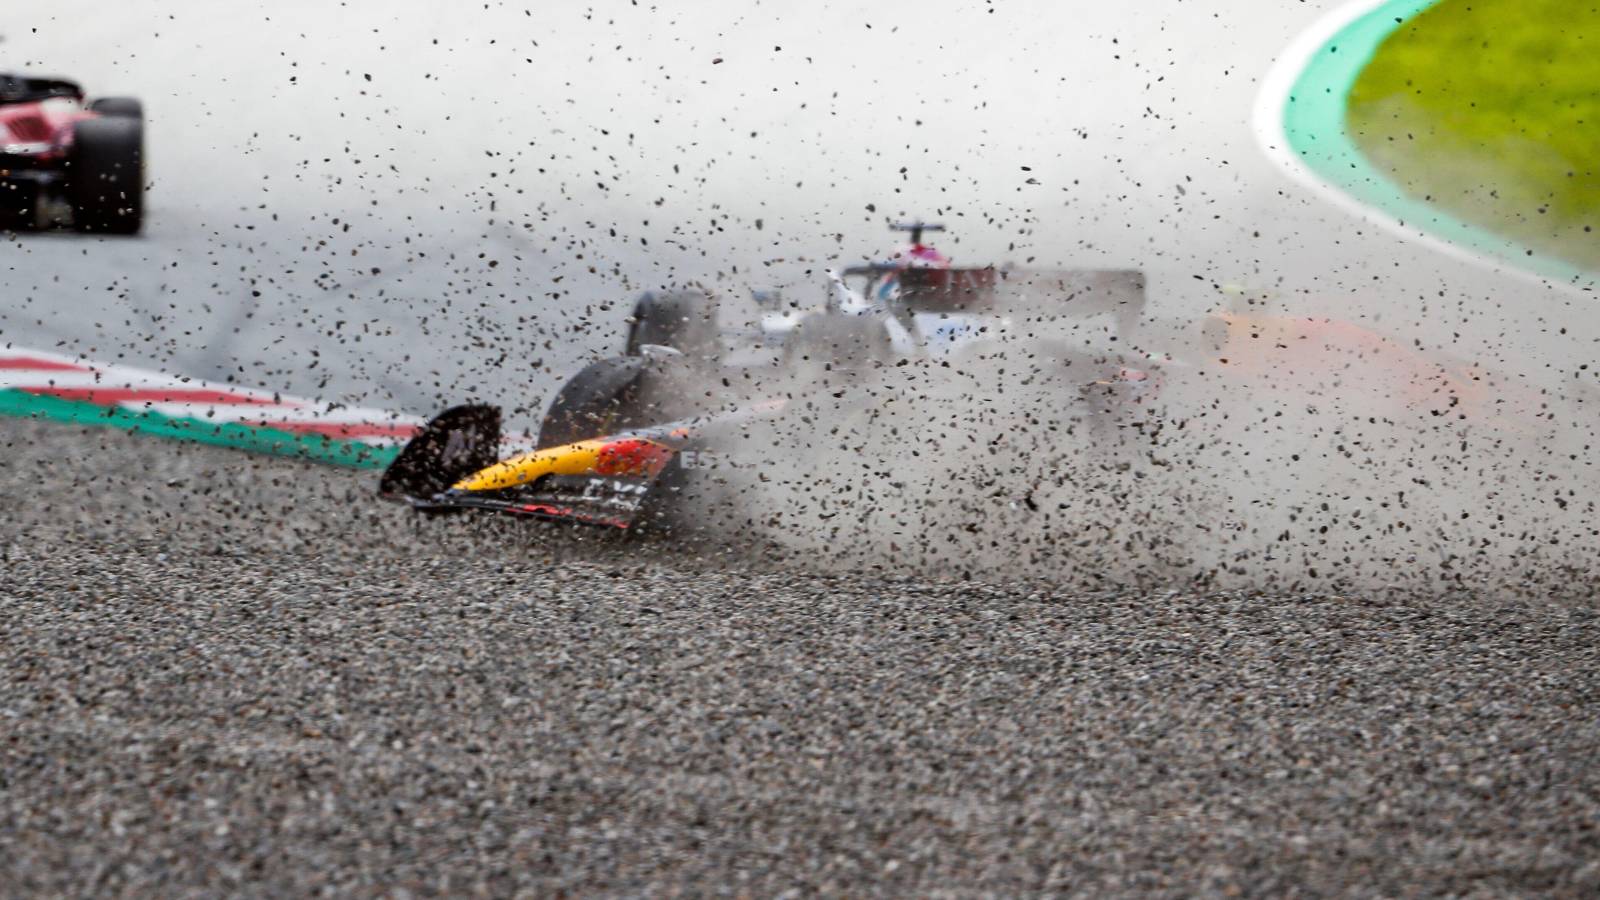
230	673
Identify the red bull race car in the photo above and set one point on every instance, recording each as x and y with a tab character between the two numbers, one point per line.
627	438
66	160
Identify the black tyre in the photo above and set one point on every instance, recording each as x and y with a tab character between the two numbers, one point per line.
1043	359
685	321
106	176
602	398
618	394
118	107
18	205
838	341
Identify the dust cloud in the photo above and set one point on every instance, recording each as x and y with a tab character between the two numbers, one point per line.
1264	452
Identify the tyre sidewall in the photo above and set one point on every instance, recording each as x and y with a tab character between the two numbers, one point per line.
106	175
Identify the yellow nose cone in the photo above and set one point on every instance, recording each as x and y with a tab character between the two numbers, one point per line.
526	468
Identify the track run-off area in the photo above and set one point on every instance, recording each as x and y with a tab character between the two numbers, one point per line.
240	672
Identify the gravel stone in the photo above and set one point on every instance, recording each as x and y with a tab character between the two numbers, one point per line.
231	674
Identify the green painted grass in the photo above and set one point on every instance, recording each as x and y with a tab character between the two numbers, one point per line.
1491	110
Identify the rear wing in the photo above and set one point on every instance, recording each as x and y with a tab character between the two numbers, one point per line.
20	89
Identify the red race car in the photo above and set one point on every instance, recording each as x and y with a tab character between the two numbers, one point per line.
64	161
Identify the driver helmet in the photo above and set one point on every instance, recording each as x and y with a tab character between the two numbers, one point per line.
910	256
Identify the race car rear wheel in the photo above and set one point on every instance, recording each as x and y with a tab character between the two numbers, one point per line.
19	202
106	176
118	107
685	321
836	341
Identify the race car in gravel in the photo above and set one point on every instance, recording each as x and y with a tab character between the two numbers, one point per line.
914	304
69	161
623	479
628	437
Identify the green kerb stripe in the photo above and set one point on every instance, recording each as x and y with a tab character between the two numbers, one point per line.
255	439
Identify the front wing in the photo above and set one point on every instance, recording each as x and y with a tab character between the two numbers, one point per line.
455	464
585	499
